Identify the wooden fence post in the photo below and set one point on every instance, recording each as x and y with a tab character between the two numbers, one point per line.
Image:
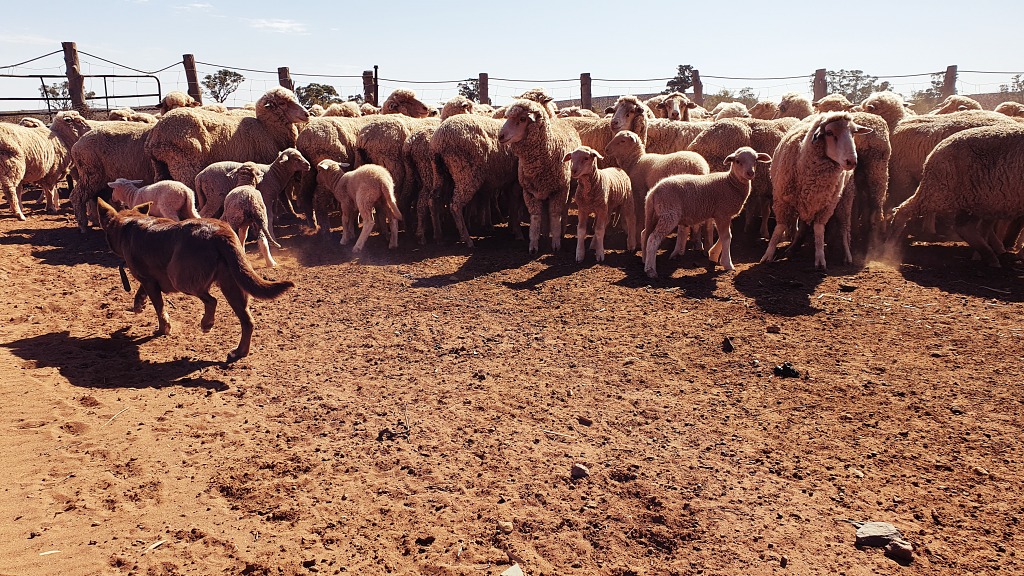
820	84
949	82
368	87
76	83
482	96
284	78
189	61
698	88
586	99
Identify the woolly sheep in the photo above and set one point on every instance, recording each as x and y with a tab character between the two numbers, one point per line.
483	110
1015	109
404	101
170	199
368	109
974	175
457	105
30	122
214	182
344	109
794	105
111	150
764	110
601	192
832	103
244	207
730	110
861	211
381	140
887	105
215	107
186	140
674	106
129	115
810	170
177	99
325	138
540	142
576	112
317	110
359	192
956	103
685	200
538	95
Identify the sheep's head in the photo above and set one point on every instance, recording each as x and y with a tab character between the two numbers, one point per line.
627	110
404	101
1015	109
70	125
519	118
177	99
582	161
833	103
764	110
836	130
743	162
367	109
541	96
316	110
457	105
676	106
248	174
794	105
956	103
731	110
281	104
623	143
122	187
30	122
293	159
328	172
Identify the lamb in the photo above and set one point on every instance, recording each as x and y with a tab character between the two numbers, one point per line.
974	175
833	103
1013	109
576	112
674	106
170	199
540	142
404	101
956	103
111	150
186	140
359	192
764	110
457	105
129	115
646	169
794	105
36	156
685	200
810	170
887	105
344	109
730	110
215	181
601	191
244	207
177	99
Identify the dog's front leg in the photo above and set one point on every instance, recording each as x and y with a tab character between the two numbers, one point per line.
211	307
140	300
153	291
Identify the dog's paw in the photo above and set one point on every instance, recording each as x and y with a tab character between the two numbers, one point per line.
234	355
163	330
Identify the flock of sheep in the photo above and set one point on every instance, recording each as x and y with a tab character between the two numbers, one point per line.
655	166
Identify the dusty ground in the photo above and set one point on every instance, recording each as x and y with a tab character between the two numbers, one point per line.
419	412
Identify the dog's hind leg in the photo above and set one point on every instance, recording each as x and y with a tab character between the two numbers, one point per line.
239	302
210	303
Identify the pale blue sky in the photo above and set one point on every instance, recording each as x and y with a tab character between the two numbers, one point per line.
617	41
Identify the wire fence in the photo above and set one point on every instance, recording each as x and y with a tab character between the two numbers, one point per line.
501	90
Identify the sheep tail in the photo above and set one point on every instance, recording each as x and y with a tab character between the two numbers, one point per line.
243	274
392	203
264	229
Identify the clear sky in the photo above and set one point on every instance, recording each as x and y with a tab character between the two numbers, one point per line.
618	43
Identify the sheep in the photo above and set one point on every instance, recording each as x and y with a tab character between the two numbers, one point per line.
457	105
316	110
241	112
30	122
483	110
576	112
956	103
344	109
832	103
359	192
538	95
973	175
244	207
215	181
540	142
685	200
764	110
404	101
887	105
466	151
325	138
730	110
129	115
860	212
186	140
646	169
36	156
601	191
674	106
381	140
177	99
810	170
111	150
215	107
1013	109
794	105
170	199
368	109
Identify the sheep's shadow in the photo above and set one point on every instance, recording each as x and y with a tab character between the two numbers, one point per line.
781	288
949	268
64	246
111	362
699	279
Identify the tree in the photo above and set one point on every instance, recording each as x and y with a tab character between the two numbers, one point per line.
854	84
314	93
745	95
682	82
922	101
470	89
60	95
222	83
1015	89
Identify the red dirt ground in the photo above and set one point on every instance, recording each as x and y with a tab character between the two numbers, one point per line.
419	411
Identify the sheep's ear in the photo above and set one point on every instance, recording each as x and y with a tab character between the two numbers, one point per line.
869	108
858	129
324	165
533	116
691	105
661	105
762	157
113	184
284	156
609	110
729	159
567	157
233	173
818	133
596	154
143	208
344	165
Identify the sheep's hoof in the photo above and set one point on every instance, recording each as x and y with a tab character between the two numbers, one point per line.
651	273
21	217
163	330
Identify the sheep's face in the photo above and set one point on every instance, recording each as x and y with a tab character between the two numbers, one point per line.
743	162
625	114
29	122
405	102
518	119
764	110
282	103
732	110
955	104
622	143
70	125
248	174
582	161
838	137
293	159
676	107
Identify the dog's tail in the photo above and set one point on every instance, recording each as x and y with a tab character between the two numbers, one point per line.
243	274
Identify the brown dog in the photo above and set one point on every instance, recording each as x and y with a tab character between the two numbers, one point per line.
187	256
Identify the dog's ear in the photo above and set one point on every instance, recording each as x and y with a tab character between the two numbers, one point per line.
143	208
106	212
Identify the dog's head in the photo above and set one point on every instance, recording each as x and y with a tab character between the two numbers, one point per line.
113	221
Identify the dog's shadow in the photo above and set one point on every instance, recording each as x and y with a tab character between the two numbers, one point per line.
111	362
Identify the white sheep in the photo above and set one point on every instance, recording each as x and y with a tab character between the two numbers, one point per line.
1014	109
888	105
956	103
812	164
794	105
244	207
764	110
730	110
359	192
36	156
686	200
170	199
832	103
674	106
601	192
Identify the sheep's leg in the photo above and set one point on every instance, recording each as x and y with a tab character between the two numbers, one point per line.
967	228
52	198
663	224
210	308
239	302
11	192
435	218
682	235
600	225
458	208
721	252
349	222
515	213
782	219
264	247
819	245
557	206
271	212
581	234
243	233
367	213
422	205
393	237
536	210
